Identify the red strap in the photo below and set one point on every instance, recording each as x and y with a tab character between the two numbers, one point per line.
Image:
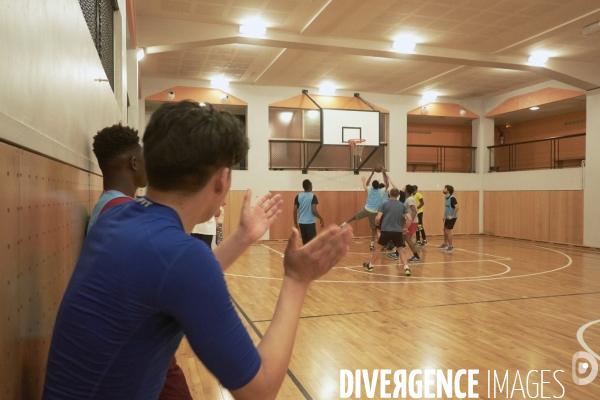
114	202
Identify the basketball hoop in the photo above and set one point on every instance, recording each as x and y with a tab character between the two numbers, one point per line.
357	146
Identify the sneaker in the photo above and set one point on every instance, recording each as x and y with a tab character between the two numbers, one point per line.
372	247
424	243
443	246
449	249
407	271
393	255
368	267
418	243
414	259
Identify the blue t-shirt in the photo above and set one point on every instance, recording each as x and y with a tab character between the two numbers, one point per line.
140	283
375	198
304	202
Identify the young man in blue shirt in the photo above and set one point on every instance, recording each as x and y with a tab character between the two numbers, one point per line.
374	199
305	213
142	282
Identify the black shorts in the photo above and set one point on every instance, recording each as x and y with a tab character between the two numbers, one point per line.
449	223
395	237
308	232
205	238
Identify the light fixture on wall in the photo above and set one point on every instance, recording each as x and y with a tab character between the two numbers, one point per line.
429	96
141	53
539	58
327	88
424	110
463	112
253	28
404	43
534	108
220	82
169	94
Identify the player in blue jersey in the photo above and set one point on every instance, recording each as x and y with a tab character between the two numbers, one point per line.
142	282
375	196
306	213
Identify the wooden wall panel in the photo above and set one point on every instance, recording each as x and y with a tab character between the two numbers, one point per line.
549	216
10	349
336	207
45	207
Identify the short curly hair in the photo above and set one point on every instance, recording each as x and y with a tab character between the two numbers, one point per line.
185	143
113	141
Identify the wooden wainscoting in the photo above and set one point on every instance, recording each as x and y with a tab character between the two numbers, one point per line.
335	207
45	207
544	215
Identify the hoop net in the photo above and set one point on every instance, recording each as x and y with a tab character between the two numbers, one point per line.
357	146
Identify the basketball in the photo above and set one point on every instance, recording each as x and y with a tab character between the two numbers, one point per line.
378	168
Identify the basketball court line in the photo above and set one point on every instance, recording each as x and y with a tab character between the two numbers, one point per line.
427	263
299	385
408	279
582	341
422	277
278	252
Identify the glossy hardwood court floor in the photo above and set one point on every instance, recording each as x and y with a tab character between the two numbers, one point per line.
493	304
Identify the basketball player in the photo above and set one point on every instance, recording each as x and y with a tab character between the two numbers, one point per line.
411	206
450	216
206	231
306	213
374	200
141	282
220	219
420	208
121	161
388	218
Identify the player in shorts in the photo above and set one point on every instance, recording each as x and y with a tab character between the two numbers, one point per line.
420	210
388	218
374	199
450	216
411	206
306	213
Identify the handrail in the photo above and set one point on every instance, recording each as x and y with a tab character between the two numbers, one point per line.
537	140
295	140
446	147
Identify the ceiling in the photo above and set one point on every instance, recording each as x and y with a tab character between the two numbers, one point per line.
546	110
467	48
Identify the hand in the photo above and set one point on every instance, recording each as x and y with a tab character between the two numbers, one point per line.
449	217
314	260
258	217
322	223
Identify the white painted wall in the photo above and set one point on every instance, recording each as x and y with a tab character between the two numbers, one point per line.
591	195
50	101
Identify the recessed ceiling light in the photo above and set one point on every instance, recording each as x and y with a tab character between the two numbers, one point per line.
429	96
534	108
404	43
253	28
327	88
539	58
140	54
220	82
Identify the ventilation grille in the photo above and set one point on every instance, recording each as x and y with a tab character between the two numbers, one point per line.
419	132
591	28
576	121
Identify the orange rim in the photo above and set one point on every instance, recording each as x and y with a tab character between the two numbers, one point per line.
354	142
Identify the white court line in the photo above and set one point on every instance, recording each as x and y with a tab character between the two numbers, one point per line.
407	281
426	263
474	252
444	279
280	253
582	342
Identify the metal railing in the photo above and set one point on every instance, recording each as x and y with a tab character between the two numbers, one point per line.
310	154
433	158
538	154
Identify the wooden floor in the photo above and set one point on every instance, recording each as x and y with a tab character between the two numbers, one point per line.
494	304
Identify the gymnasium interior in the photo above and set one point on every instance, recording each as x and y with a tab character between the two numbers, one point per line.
498	98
